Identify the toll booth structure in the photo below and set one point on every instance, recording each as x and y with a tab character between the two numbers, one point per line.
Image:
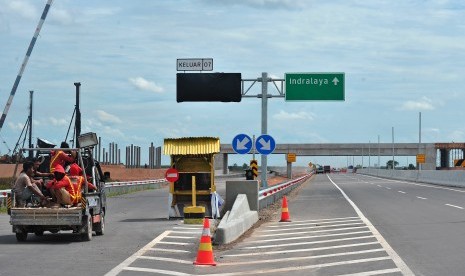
193	158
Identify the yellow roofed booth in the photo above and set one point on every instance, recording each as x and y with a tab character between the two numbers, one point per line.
193	195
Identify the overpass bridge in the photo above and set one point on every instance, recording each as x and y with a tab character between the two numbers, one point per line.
431	151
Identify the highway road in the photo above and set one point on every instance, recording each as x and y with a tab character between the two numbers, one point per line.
373	227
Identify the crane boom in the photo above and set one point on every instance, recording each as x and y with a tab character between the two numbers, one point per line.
23	65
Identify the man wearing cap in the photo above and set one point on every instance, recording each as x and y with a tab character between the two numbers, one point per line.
61	188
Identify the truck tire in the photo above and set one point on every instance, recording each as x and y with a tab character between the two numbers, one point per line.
100	227
87	235
22	236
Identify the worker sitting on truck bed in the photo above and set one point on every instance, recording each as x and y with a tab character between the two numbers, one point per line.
25	188
61	188
75	174
60	157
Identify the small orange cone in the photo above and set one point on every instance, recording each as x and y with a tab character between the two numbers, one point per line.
205	253
285	212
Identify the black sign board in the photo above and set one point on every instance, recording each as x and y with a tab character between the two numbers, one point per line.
208	87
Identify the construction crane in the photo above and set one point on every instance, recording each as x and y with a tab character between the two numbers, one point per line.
23	65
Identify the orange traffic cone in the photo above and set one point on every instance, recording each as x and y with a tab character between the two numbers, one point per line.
285	212
205	253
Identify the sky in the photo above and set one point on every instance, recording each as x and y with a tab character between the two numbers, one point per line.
399	58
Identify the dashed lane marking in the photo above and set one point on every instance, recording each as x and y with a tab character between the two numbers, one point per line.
421	197
402	192
455	206
387	188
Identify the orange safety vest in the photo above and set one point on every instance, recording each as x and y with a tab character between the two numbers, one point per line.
59	158
76	182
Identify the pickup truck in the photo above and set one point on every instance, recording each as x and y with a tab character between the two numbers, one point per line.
83	219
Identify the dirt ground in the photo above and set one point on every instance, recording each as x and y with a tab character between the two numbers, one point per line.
120	173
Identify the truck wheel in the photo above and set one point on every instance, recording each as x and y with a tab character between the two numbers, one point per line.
87	235
100	229
22	236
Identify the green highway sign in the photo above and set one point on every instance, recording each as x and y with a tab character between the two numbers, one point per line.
315	86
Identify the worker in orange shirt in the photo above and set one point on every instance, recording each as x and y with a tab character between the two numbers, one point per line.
78	180
60	157
61	188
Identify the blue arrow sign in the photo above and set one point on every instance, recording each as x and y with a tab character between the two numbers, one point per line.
265	144
242	144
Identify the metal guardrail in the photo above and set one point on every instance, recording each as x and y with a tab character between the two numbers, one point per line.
270	195
110	187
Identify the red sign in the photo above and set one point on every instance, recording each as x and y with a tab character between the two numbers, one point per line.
172	175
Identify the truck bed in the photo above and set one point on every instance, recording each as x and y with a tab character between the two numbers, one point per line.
46	216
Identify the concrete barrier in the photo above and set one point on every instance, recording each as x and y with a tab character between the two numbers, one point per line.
236	222
437	177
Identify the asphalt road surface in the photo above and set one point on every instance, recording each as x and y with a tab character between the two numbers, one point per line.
342	224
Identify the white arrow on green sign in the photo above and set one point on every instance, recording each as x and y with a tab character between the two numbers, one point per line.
315	86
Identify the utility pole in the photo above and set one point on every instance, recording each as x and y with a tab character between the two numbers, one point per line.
264	95
24	64
31	93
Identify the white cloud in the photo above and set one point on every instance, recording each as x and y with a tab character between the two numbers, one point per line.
423	104
60	15
107	117
302	115
23	8
16	126
143	84
58	121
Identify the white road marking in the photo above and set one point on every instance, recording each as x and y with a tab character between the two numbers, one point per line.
373	272
116	270
175	243
292	225
395	257
387	188
455	206
319	220
307	237
291	259
300	250
416	184
312	227
159	271
303	243
402	192
187	232
165	259
169	250
285	269
180	237
314	231
421	197
379	186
